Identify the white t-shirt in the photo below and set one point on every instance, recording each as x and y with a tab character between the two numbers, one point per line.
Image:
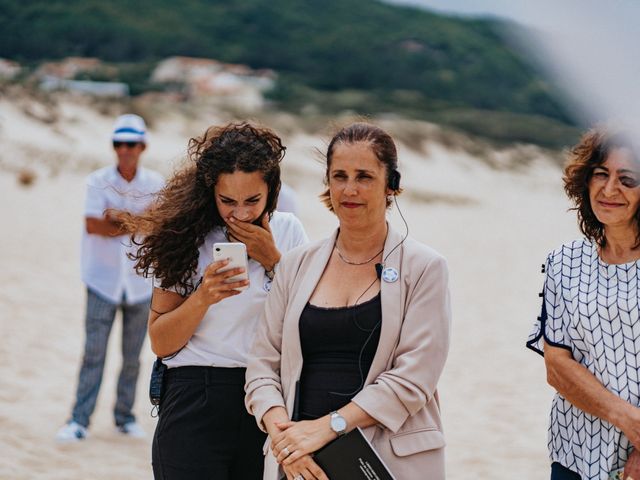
226	332
287	200
106	269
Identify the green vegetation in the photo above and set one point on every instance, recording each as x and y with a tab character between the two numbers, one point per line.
362	55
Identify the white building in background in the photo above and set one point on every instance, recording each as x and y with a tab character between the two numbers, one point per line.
60	76
96	89
233	84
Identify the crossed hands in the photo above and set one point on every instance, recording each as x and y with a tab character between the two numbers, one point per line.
293	444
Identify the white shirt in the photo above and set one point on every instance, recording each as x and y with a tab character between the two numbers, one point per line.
106	269
226	332
591	309
287	199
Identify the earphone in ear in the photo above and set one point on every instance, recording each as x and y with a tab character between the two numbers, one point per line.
394	180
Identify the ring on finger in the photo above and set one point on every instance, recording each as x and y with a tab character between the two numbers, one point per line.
298	477
286	451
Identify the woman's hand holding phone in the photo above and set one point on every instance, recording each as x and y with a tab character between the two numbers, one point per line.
258	238
214	287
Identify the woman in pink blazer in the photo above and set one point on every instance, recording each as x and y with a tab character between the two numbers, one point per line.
356	329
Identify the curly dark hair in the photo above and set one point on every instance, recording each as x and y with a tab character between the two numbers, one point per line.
381	144
591	152
176	224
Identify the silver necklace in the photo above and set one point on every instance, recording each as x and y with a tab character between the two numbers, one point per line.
349	262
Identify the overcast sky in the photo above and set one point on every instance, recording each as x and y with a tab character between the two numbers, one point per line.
591	47
551	14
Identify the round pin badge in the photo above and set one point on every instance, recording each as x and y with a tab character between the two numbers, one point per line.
389	275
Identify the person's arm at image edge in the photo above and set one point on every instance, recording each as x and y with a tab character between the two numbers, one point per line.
580	387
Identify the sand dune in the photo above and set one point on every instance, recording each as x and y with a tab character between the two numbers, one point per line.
494	226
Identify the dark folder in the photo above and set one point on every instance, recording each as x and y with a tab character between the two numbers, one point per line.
352	457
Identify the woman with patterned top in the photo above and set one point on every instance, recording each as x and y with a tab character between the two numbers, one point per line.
589	329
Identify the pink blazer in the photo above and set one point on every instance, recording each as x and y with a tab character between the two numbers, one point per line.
400	391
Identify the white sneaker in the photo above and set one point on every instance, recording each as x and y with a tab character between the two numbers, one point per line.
71	432
131	429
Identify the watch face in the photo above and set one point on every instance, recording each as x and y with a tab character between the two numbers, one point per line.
338	424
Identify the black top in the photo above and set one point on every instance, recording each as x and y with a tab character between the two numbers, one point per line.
338	346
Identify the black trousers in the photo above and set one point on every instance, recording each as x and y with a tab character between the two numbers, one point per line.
560	472
204	431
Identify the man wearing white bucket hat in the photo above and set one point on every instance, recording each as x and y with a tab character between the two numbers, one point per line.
111	281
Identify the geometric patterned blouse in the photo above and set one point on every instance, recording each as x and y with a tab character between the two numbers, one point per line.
591	309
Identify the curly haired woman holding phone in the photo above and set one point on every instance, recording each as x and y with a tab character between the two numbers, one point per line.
200	322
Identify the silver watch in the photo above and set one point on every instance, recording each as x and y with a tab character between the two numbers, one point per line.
338	424
271	273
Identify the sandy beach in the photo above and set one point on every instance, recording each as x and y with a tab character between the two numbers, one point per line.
493	224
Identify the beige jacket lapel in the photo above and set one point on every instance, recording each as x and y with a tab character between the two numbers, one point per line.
392	299
391	294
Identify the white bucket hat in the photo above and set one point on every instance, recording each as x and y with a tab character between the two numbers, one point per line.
129	128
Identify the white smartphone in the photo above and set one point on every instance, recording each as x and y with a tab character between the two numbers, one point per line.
236	252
